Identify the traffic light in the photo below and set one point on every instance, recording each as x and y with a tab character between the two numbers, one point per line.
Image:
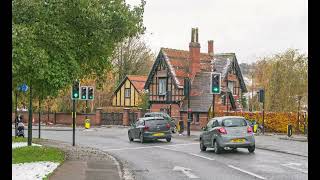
261	95
186	87
84	92
215	83
90	93
75	90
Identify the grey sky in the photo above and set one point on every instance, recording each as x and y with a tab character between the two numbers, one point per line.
250	28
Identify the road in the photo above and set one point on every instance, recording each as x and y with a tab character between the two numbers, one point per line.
182	159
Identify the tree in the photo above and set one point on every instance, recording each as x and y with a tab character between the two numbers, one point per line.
132	57
49	53
144	100
284	77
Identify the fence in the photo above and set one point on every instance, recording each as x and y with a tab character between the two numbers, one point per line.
111	118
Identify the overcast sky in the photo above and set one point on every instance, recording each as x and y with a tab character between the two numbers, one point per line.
249	28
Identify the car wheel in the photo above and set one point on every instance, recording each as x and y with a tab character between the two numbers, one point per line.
168	139
217	148
130	138
251	149
141	138
202	146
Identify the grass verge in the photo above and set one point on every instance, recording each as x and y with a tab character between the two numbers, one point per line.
23	139
35	153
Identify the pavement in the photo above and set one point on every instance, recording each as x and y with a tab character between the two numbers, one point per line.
83	163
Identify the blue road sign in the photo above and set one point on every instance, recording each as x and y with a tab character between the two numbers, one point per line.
23	88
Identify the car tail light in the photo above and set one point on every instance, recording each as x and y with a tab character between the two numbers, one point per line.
146	128
249	129
168	125
222	130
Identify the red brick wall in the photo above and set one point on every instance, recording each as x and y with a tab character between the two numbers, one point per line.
59	118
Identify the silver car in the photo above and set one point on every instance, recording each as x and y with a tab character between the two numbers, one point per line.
227	132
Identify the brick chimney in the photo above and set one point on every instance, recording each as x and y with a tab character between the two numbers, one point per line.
194	50
210	48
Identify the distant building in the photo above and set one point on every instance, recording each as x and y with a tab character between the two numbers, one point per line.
127	94
166	80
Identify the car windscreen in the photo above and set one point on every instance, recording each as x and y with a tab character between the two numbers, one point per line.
234	122
155	122
152	115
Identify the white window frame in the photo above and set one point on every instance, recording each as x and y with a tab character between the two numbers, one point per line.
231	86
162	88
127	95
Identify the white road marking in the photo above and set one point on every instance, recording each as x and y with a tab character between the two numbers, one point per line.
289	165
146	147
202	156
247	172
185	171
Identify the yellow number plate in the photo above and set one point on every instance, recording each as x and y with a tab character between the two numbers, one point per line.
238	140
158	134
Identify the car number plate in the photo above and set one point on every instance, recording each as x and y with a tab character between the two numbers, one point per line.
238	140
158	134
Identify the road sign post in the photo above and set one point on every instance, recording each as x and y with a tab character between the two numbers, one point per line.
75	94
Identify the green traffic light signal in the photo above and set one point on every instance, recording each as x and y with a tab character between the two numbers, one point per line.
75	90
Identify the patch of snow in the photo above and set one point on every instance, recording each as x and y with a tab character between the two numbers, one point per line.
22	144
32	171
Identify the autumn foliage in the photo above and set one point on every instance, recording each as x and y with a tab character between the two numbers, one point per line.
274	121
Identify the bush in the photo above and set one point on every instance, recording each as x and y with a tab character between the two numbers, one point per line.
274	121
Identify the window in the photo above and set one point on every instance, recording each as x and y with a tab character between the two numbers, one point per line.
196	117
234	122
162	86
230	86
127	93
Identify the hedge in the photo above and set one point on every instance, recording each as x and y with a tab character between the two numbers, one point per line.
274	121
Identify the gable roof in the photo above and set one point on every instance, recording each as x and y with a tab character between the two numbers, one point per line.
137	81
177	61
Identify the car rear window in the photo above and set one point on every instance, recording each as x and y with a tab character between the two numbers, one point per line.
234	122
155	122
152	115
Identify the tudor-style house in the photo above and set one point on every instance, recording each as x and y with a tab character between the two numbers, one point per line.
128	92
166	79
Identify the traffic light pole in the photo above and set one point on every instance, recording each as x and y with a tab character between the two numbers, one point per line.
263	118
213	102
189	114
16	115
73	121
39	117
30	118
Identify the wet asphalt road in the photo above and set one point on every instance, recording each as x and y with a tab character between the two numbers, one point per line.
182	159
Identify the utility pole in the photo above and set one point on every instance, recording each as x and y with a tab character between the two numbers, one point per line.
30	118
263	117
299	100
227	95
252	92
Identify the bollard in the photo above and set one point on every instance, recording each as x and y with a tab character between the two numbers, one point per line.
87	123
289	130
181	127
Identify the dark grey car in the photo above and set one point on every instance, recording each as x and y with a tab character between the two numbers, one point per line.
150	128
166	117
227	132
